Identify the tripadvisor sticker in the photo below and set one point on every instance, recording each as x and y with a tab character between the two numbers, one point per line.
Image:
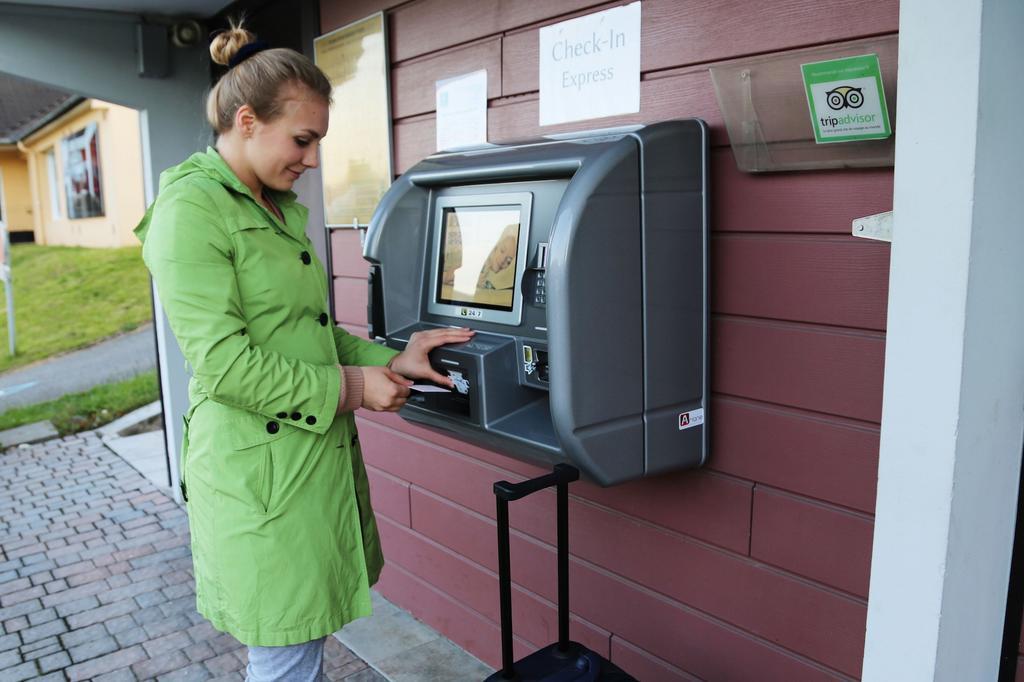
846	99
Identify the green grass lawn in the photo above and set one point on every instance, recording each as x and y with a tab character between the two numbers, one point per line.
87	410
68	297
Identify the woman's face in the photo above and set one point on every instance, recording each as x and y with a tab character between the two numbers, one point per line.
281	150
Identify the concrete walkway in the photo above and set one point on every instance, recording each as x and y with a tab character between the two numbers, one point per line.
121	357
96	576
146	452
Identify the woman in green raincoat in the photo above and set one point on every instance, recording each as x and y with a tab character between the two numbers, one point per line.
284	542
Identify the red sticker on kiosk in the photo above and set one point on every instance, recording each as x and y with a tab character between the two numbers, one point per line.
690	419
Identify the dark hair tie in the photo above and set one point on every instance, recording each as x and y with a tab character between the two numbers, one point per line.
246	51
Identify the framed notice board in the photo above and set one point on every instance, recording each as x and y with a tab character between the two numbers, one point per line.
355	156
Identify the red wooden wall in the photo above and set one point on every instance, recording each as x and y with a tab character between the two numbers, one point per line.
757	566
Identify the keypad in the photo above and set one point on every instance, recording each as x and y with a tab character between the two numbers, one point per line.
540	295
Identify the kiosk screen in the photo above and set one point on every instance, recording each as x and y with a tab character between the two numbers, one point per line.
478	256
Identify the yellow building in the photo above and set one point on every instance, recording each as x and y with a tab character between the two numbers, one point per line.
15	196
70	168
85	173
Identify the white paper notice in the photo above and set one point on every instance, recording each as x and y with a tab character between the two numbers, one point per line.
590	66
462	111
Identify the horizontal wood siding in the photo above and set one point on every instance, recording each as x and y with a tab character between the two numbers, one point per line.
425	26
815	455
409	98
819	279
678	34
824	369
350	300
390	496
812	539
646	666
756	566
347	255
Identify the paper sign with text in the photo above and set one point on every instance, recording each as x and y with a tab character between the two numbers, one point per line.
590	66
462	111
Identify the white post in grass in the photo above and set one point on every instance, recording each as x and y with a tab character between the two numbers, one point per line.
5	272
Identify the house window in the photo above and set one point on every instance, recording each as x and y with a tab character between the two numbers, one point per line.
82	186
51	173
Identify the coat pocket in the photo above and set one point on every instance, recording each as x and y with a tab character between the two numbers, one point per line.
265	480
253	444
228	467
251	476
183	454
183	458
241	464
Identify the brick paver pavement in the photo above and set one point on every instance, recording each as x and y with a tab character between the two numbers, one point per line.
96	576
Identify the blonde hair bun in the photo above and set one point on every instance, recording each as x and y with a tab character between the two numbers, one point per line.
257	78
227	43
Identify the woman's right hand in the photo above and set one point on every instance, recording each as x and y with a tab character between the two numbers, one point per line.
384	390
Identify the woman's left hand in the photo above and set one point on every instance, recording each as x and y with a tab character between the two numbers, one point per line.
413	362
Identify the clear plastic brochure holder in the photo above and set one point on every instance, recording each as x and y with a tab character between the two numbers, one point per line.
765	108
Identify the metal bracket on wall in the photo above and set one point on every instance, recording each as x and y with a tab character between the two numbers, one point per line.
877	226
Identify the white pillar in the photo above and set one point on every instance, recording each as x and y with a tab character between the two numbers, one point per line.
953	410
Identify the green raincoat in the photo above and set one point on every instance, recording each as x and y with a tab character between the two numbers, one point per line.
284	541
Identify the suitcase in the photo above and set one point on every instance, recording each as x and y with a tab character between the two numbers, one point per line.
565	660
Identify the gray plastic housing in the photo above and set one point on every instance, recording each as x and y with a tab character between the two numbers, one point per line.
616	319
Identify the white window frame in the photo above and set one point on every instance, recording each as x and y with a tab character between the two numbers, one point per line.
53	183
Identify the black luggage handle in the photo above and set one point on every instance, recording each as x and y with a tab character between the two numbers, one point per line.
504	492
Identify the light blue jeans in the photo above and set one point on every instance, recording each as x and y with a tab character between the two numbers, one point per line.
295	663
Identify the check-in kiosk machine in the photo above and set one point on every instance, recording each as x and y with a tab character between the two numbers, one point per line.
582	265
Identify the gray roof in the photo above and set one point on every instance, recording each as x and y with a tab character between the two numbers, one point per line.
25	106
